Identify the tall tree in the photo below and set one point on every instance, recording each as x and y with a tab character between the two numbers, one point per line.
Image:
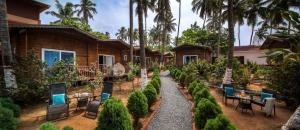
142	45
87	8
7	57
63	12
122	34
179	18
204	8
131	29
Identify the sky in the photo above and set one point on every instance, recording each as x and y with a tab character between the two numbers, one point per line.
113	14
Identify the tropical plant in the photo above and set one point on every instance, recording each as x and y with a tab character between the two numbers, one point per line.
179	18
63	12
131	41
219	123
48	126
137	106
87	8
96	83
114	116
151	94
205	110
122	34
7	55
204	8
9	104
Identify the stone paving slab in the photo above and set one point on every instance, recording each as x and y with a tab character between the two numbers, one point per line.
175	111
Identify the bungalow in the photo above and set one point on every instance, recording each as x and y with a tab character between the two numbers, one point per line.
250	53
187	53
53	42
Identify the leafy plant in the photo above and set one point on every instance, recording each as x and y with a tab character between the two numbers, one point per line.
205	110
97	82
204	93
192	86
48	126
151	94
199	87
219	123
114	116
9	104
137	106
7	119
68	128
156	85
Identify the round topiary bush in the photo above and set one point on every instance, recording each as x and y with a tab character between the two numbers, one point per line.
198	87
114	116
48	126
157	78
7	119
212	99
151	94
219	123
192	86
205	110
8	103
204	93
137	106
189	79
68	128
156	85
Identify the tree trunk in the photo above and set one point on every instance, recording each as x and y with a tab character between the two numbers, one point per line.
204	20
85	16
146	32
131	34
251	37
228	74
220	27
142	46
178	28
164	40
239	34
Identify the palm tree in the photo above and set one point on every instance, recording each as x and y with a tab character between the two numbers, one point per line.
155	34
7	57
179	18
135	35
131	30
87	9
64	12
142	45
204	8
122	34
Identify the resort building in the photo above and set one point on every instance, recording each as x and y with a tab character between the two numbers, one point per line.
187	53
250	53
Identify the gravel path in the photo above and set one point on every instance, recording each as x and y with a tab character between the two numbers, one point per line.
175	110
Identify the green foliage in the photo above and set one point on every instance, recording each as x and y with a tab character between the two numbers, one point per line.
192	86
205	110
32	83
62	72
199	87
48	126
68	128
9	104
151	94
204	93
156	85
182	78
219	123
97	82
202	68
114	116
7	119
137	105
134	71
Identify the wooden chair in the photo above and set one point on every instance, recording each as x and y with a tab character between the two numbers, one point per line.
54	108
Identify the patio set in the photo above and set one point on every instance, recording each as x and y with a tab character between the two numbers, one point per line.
58	104
265	99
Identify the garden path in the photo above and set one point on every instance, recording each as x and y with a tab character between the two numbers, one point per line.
175	110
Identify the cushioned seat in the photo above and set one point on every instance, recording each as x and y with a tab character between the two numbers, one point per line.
57	109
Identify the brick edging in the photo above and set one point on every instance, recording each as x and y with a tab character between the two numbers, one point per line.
151	116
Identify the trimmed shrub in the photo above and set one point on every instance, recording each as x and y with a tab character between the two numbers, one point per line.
199	87
114	116
137	105
204	93
48	126
157	78
219	123
7	119
182	78
9	104
68	128
151	94
212	99
189	79
177	75
192	86
156	85
205	110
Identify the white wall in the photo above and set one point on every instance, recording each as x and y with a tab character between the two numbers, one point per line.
253	56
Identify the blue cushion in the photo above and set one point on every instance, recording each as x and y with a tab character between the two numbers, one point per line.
104	97
263	96
229	91
58	99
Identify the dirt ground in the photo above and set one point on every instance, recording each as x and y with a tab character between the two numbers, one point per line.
258	121
32	117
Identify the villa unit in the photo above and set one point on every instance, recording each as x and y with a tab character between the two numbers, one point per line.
250	53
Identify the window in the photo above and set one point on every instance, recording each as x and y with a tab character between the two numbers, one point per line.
125	57
189	58
106	60
50	56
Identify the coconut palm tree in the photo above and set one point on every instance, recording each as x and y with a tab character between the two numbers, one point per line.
204	8
142	45
7	57
122	34
179	18
135	35
131	29
63	12
87	8
155	34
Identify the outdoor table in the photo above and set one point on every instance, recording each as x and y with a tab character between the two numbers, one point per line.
245	103
82	99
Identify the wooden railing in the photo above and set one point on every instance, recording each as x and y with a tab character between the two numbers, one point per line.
89	72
